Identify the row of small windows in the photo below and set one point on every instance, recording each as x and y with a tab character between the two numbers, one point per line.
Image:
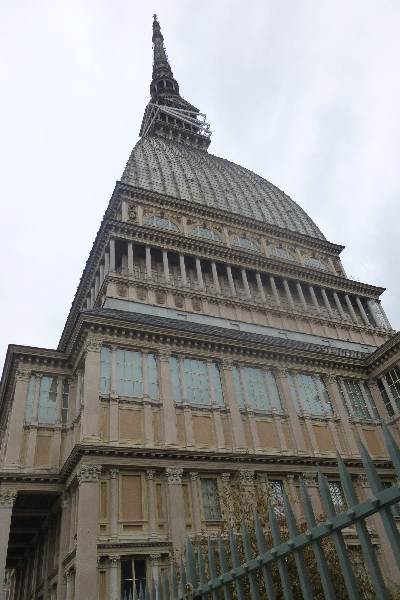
237	241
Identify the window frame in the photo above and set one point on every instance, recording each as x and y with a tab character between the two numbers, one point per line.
216	482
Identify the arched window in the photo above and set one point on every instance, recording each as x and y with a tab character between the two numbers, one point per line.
280	252
242	242
315	263
204	232
157	221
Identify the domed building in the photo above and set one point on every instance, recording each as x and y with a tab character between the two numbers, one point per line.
214	340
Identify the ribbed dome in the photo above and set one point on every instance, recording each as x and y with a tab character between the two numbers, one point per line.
172	168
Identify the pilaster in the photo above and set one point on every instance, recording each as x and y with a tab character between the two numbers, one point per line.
7	499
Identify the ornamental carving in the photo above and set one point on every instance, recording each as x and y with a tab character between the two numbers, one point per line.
23	372
114	560
122	290
194	475
150	474
155	558
7	498
246	477
114	473
226	478
310	479
93	344
132	212
174	475
89	473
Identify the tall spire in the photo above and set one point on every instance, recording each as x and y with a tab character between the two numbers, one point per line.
168	114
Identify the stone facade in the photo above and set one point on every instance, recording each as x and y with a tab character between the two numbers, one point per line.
203	347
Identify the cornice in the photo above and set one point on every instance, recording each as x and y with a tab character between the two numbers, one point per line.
385	352
136	193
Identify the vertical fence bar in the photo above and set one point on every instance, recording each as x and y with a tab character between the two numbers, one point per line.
223	561
212	566
248	556
385	512
344	561
393	448
298	554
202	571
319	554
191	564
262	548
363	535
282	567
235	564
174	583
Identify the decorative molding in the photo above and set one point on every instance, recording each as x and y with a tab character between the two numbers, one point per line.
93	344
174	475
114	473
246	477
114	560
155	558
23	372
7	497
310	479
150	473
88	473
193	475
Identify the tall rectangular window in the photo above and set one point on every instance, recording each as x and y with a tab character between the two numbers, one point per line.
30	399
337	495
309	394
210	499
65	400
355	396
47	400
133	575
393	380
386	399
275	489
258	386
152	376
105	370
196	381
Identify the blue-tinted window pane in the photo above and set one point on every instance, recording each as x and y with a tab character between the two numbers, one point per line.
282	253
129	374
204	232
238	387
358	406
309	394
30	399
210	498
256	388
152	375
105	370
244	243
315	263
273	392
216	382
196	380
175	379
47	400
157	221
386	398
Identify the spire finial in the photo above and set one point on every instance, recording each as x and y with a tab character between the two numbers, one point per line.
167	113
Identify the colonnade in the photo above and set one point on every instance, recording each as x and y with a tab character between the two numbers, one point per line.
264	288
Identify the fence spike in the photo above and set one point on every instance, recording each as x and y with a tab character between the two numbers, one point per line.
236	564
191	563
393	448
362	532
298	554
248	553
319	554
262	549
223	561
282	566
341	550
385	512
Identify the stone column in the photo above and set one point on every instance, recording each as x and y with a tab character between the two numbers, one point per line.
114	503
246	478
155	567
112	256
7	499
326	302
314	298
194	489
151	503
106	263
78	393
339	306
274	290
96	285
260	287
91	402
301	296
92	297
169	413
238	433
351	309
149	271
87	531
130	258
215	277
62	549
15	431
101	271
166	265
176	507
310	480
246	283
362	311
115	587
183	269
69	584
332	385
199	273
284	392
230	280
288	293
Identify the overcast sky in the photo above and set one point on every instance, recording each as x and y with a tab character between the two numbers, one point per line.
306	93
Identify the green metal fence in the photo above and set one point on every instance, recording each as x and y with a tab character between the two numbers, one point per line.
217	572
